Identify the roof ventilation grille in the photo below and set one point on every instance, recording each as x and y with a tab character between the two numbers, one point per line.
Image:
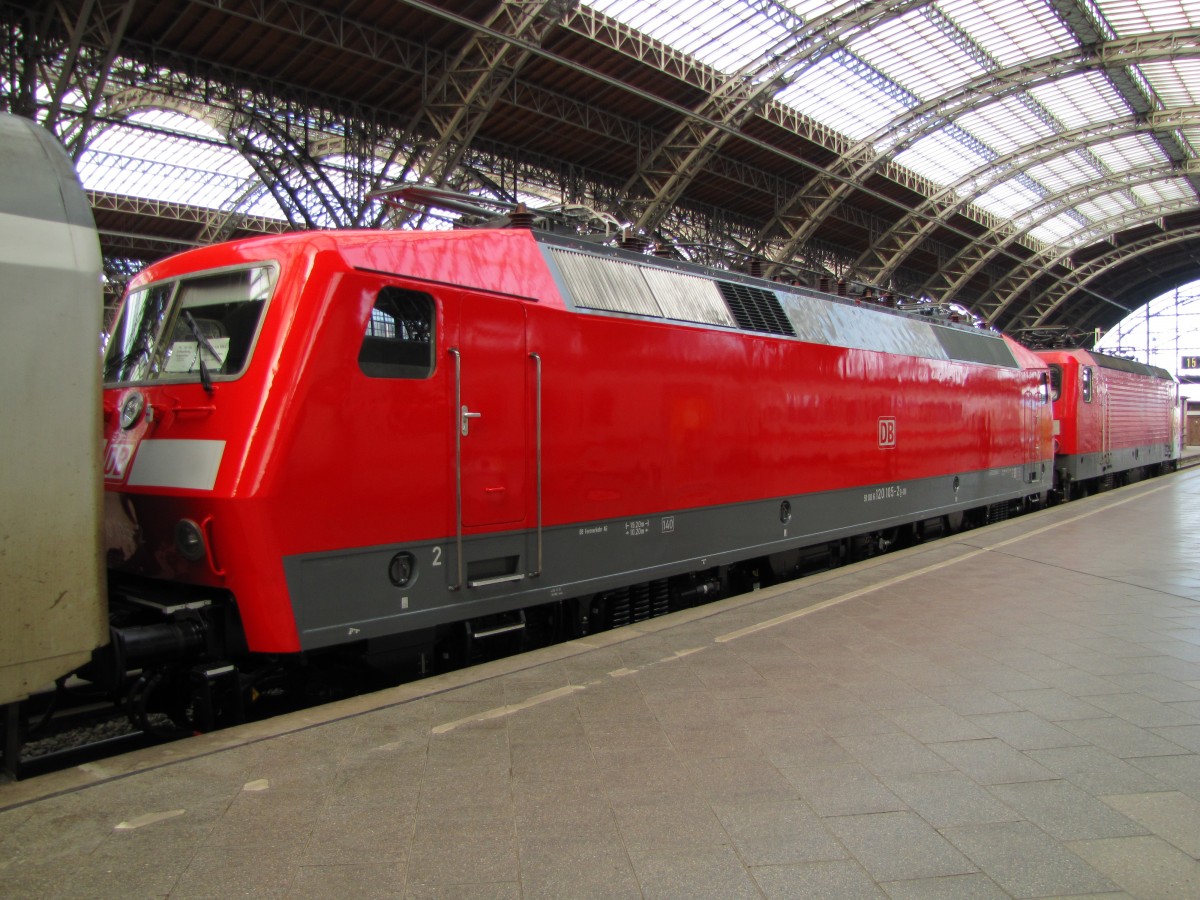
755	309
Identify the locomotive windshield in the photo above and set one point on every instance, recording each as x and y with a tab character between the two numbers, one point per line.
171	330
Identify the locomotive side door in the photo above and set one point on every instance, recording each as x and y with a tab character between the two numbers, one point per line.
1105	425
487	350
1035	403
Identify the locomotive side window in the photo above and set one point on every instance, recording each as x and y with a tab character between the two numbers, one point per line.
398	342
171	330
131	346
1055	381
1085	375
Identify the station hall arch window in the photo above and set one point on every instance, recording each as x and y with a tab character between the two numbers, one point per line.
399	337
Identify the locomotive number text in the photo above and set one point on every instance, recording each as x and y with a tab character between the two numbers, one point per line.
889	492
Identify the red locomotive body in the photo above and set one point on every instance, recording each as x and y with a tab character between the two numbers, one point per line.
1112	417
327	438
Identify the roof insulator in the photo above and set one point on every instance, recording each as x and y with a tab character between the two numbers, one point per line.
520	217
631	240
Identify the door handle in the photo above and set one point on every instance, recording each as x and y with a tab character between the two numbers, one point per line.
466	416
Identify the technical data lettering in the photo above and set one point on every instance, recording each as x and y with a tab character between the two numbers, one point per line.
593	529
637	527
889	492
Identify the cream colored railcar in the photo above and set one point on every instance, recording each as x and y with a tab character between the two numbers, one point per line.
53	608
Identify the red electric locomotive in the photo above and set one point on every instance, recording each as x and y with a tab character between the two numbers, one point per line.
379	438
1114	419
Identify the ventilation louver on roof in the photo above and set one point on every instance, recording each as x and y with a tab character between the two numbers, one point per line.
975	346
756	309
598	282
1129	365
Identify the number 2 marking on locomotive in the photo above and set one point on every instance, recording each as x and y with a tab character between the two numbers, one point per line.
437	556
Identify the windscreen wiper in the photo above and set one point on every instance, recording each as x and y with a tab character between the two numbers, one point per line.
202	345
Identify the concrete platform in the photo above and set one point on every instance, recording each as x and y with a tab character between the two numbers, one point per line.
1014	712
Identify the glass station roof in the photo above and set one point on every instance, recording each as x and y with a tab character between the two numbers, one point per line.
171	157
862	69
868	79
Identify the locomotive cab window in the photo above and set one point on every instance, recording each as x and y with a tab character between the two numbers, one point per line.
1085	375
172	330
1055	381
398	342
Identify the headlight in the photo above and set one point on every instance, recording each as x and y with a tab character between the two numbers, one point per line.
131	409
189	540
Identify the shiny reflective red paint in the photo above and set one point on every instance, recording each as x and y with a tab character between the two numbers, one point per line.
638	416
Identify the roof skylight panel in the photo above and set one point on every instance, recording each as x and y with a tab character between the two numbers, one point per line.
1007	124
1192	136
1108	206
1168	191
922	54
837	93
1063	172
155	180
809	9
1008	198
1080	100
1141	16
945	156
182	164
263	204
165	136
1057	230
1177	83
1010	31
725	34
1129	152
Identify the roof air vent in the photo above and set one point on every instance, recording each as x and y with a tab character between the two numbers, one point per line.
755	309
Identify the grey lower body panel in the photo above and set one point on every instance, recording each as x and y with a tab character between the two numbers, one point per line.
351	595
1082	466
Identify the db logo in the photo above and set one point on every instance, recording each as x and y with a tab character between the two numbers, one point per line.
887	432
116	460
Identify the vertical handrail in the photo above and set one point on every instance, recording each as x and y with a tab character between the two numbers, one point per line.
458	526
538	428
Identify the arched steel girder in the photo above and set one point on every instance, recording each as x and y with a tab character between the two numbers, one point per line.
665	173
1044	264
298	164
1087	28
298	182
802	215
107	30
1045	304
467	89
1058	297
950	278
879	262
218	224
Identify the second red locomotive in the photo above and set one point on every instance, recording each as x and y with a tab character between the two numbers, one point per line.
1114	418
